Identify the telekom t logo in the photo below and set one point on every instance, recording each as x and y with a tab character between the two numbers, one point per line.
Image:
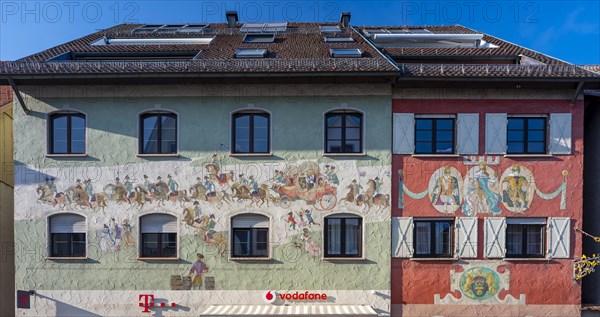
147	301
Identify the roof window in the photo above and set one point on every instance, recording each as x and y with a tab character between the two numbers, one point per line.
345	52
339	39
253	27
330	29
259	38
251	53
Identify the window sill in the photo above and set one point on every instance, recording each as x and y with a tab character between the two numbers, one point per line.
157	155
435	155
250	154
65	155
343	259
250	259
344	154
433	259
528	155
74	258
156	259
527	259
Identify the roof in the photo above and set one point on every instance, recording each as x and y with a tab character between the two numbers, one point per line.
593	68
299	49
543	66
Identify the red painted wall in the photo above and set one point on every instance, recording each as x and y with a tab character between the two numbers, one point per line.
542	281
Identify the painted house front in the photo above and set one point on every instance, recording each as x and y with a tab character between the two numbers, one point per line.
487	171
187	198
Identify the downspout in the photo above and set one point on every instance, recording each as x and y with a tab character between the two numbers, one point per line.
18	94
577	92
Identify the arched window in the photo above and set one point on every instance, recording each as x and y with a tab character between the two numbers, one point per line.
66	133
250	236
158	236
67	235
343	236
343	132
251	132
158	133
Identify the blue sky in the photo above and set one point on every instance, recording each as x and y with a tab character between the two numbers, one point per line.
569	30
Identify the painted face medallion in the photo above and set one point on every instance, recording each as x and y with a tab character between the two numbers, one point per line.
479	283
445	189
518	187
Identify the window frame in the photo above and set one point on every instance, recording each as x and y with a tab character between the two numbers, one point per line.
160	245
252	114
525	131
433	240
251	244
50	237
147	114
523	254
232	227
343	139
433	130
343	254
50	133
140	239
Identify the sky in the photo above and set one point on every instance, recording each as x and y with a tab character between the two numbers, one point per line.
568	30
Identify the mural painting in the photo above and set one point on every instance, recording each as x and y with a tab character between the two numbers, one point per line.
481	191
114	237
479	283
518	187
444	189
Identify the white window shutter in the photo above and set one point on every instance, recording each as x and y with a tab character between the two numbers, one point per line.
560	133
466	237
495	237
402	237
250	221
67	223
495	133
403	133
468	133
559	238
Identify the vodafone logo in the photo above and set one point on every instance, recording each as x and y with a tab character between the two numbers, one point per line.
269	297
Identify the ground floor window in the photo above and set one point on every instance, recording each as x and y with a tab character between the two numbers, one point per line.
433	238
343	236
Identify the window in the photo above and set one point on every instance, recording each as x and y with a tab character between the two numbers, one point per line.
158	236
330	29
525	238
434	135
259	38
67	133
250	236
343	132
67	235
339	39
345	52
433	238
343	236
526	135
158	131
251	132
251	53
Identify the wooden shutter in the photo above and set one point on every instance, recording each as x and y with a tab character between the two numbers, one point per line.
466	237
250	221
67	223
402	237
403	133
495	237
560	133
559	237
158	223
495	133
468	133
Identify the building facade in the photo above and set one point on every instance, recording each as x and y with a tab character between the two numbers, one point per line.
192	198
296	168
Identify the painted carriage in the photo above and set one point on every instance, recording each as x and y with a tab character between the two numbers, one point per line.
305	182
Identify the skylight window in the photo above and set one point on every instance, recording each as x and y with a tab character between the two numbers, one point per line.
345	52
154	41
148	28
253	27
251	53
259	38
339	39
127	56
193	28
169	29
330	29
